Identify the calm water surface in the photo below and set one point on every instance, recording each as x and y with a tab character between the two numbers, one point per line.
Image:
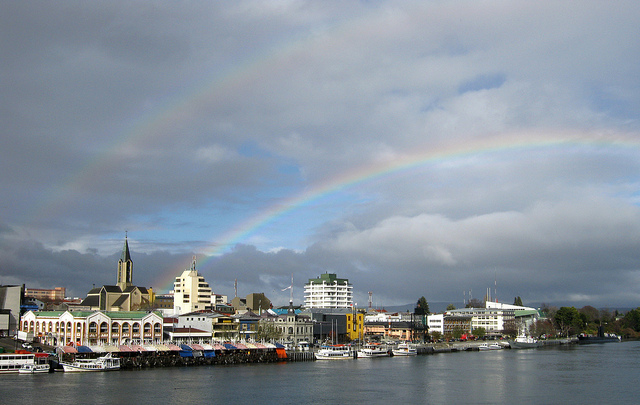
562	375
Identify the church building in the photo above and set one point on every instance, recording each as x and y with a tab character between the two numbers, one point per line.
124	296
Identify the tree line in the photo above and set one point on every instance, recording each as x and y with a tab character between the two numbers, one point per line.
567	321
563	321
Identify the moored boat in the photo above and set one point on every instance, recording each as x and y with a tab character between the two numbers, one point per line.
492	346
372	350
405	349
334	352
104	363
525	342
35	368
13	362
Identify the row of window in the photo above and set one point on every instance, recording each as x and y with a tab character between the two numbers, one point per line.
50	326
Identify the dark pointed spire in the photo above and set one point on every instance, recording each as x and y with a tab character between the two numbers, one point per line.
125	250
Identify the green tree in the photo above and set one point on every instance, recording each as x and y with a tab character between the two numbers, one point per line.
451	307
457	333
631	320
479	332
420	320
518	301
590	313
568	319
267	331
435	335
422	307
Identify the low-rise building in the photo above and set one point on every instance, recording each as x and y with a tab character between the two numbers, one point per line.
224	328
164	303
255	302
247	325
399	330
291	326
435	323
59	328
54	294
10	302
329	324
493	319
453	323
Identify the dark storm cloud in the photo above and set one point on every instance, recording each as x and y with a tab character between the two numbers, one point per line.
183	121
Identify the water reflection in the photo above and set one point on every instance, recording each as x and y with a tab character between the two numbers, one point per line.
597	374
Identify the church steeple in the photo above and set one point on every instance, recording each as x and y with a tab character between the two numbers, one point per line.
125	267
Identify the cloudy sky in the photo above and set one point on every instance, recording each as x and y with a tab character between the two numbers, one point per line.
415	148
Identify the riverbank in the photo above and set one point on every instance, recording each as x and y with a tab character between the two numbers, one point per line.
231	355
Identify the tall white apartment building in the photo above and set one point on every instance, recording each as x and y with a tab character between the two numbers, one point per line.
190	292
328	291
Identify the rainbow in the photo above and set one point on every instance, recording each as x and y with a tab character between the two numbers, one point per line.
506	143
209	90
174	109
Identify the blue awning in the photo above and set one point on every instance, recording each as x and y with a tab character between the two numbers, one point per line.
186	347
84	349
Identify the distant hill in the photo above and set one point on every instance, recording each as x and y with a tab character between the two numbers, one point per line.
439	307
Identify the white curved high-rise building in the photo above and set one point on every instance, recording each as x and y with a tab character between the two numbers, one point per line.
190	292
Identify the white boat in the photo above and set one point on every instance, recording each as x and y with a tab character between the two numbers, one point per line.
13	362
405	349
525	342
104	363
34	368
492	346
334	352
372	350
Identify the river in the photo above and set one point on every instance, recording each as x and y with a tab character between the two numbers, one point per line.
574	374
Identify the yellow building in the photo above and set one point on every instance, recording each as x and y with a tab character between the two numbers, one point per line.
355	325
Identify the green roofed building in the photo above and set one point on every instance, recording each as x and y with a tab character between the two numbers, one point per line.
61	328
328	291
